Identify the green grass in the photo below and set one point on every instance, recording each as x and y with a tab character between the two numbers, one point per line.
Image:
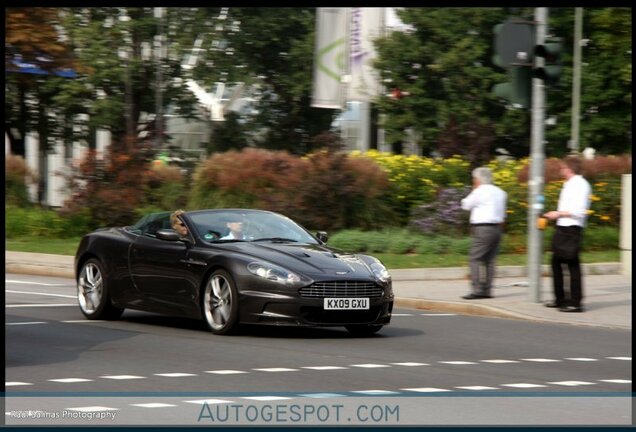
395	261
69	246
44	245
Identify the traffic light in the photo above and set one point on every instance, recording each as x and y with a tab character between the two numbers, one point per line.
519	90
514	43
551	51
514	49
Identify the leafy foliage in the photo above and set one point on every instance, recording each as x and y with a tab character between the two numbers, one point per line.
325	190
118	190
16	177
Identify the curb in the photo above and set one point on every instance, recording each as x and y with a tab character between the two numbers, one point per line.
39	270
446	273
487	311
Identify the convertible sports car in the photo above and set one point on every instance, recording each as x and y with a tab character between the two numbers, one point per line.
278	273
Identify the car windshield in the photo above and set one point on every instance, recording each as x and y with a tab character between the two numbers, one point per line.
151	223
253	225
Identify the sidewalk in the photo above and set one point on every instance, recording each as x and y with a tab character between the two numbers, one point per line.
607	293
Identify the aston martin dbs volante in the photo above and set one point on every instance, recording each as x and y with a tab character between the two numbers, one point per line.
275	272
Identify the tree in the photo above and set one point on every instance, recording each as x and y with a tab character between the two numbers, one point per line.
228	135
275	51
445	65
606	95
32	38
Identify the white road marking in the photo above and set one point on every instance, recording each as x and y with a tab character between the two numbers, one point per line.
322	395
458	362
209	401
523	385
82	321
619	358
426	389
154	405
496	361
266	398
122	377
39	293
571	383
401	314
175	374
15	383
370	365
410	364
437	314
478	388
582	359
32	283
375	392
541	360
41	305
323	367
70	380
93	409
225	372
27	323
617	381
275	369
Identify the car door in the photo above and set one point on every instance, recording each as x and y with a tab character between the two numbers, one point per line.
161	272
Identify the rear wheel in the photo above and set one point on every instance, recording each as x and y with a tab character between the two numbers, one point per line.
363	330
220	303
92	293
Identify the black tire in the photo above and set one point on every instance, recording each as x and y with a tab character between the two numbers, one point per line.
93	294
219	303
363	329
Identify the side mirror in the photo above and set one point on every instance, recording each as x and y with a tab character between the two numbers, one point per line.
322	236
168	234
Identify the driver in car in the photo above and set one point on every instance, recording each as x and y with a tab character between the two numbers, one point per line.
235	225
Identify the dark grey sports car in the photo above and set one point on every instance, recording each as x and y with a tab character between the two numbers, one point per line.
272	272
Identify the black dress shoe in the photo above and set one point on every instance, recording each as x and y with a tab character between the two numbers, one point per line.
472	296
553	305
571	309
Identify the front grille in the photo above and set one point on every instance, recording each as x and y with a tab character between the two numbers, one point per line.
341	289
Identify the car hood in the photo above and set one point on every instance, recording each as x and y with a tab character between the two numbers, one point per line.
310	259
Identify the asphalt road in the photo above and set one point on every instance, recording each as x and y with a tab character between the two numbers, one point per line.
424	368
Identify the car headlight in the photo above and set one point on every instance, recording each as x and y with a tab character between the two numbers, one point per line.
380	272
273	273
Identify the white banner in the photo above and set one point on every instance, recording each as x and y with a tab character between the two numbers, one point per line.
330	58
366	25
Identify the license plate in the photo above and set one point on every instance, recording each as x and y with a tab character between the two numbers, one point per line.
346	303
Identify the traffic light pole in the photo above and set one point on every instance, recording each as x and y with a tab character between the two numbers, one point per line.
576	80
535	181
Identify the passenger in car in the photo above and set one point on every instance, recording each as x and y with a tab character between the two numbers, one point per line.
177	223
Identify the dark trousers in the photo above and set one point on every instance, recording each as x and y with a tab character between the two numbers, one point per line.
574	268
483	252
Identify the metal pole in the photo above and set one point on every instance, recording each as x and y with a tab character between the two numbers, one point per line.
535	182
158	89
576	80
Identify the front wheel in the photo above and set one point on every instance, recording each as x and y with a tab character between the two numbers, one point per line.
363	330
92	293
220	303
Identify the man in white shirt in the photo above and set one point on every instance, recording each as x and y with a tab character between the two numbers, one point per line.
570	216
487	206
235	226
